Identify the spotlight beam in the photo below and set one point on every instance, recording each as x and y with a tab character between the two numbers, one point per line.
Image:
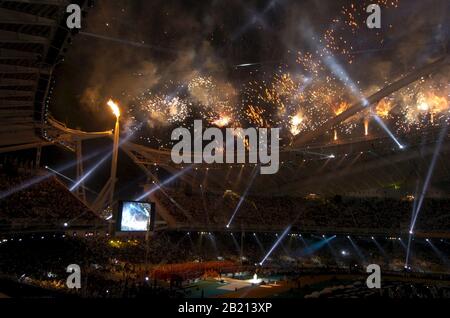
259	244
358	106
186	213
403	244
25	185
165	182
87	174
339	71
236	244
67	178
304	242
416	195
441	255
381	249
257	17
312	248
343	76
331	248
243	196
408	250
356	248
131	43
28	183
98	164
277	242
411	232
59	174
428	177
386	129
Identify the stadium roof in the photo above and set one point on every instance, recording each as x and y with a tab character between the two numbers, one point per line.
33	40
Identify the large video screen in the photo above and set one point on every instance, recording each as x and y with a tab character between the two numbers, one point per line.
136	216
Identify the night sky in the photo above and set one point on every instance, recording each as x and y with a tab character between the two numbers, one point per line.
160	44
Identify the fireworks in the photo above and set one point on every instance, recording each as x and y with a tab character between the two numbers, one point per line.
296	122
383	108
213	99
421	106
222	121
255	115
296	103
293	102
366	126
298	98
343	106
354	15
434	104
162	109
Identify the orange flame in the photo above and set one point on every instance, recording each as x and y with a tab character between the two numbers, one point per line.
383	108
436	103
222	121
341	108
114	107
366	127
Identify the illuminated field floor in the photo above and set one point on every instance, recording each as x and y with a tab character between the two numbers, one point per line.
233	288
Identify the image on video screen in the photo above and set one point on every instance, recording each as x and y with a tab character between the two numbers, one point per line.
135	216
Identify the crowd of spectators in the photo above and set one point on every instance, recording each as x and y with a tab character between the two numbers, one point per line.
128	266
390	215
114	267
392	290
39	200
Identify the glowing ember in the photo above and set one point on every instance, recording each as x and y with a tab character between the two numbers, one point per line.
436	103
341	108
423	107
222	121
383	108
366	127
296	121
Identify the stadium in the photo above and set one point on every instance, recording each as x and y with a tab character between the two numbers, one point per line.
354	118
